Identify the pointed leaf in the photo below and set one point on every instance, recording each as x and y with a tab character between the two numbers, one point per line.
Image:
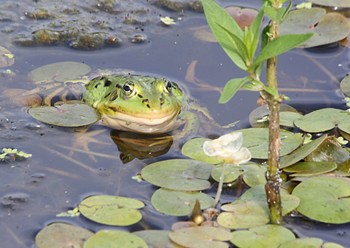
231	88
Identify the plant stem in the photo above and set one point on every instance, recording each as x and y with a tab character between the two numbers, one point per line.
221	183
273	183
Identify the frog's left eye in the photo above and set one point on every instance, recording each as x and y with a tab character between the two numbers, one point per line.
128	88
169	86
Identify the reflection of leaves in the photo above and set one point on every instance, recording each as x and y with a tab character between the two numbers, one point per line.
327	28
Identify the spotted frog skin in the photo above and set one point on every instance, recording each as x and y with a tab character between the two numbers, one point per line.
134	103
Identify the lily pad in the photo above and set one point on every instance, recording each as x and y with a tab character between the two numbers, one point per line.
201	237
111	210
6	57
157	238
309	243
253	174
257	139
251	209
327	27
315	122
70	114
61	71
307	169
57	235
301	152
194	149
114	239
333	3
179	203
178	174
325	199
345	85
262	236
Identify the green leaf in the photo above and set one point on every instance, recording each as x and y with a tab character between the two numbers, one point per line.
216	17
274	14
281	45
194	149
254	30
231	88
156	238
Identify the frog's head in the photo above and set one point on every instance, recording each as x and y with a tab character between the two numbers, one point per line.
142	104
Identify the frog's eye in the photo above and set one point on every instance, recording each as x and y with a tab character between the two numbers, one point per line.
128	88
168	86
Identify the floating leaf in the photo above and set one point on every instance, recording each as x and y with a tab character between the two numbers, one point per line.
345	85
333	3
256	140
262	236
251	210
315	122
179	203
6	57
301	152
156	238
243	16
114	239
70	114
310	168
327	28
111	210
58	235
167	21
178	174
325	199
201	237
61	71
194	149
308	243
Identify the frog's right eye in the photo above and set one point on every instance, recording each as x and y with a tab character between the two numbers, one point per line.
128	88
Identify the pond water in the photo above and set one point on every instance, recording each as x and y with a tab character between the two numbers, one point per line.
35	190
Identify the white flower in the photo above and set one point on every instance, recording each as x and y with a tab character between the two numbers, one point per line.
229	148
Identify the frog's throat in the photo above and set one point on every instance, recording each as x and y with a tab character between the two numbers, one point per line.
125	122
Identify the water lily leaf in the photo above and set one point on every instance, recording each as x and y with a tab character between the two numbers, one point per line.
6	57
315	122
327	28
333	3
179	203
57	235
114	239
307	169
325	199
308	243
156	238
256	140
194	149
70	114
201	237
262	236
178	174
251	209
61	71
301	152
111	210
253	174
287	118
345	85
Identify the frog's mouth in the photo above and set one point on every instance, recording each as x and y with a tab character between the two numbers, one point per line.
160	123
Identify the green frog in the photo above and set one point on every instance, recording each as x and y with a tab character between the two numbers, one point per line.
134	103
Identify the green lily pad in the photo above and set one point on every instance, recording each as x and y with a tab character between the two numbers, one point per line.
57	235
315	122
306	169
6	57
70	114
251	209
309	243
287	118
194	149
61	71
256	140
156	238
201	237
178	174
301	152
111	210
333	3
114	239
345	85
262	237
325	199
327	27
253	174
179	203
